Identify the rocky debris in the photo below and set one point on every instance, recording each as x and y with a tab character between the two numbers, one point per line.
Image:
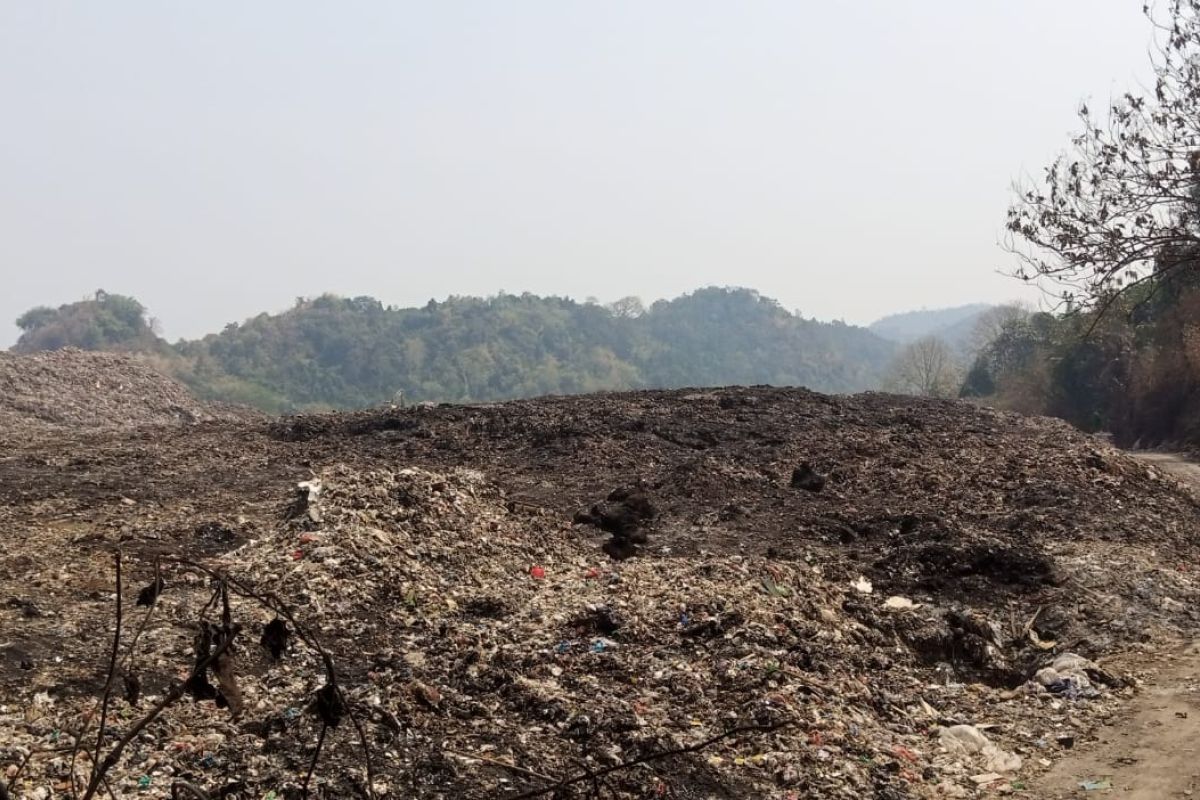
488	649
275	637
77	391
303	509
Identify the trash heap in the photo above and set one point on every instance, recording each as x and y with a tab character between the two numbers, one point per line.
488	651
74	391
739	593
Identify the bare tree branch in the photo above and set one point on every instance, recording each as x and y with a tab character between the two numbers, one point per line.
1121	206
112	670
170	698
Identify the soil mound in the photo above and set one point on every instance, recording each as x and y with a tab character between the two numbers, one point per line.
828	598
77	391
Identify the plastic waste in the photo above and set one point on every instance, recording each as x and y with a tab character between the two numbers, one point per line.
968	740
965	739
1103	784
898	603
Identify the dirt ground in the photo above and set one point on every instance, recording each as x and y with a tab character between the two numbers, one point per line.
1151	750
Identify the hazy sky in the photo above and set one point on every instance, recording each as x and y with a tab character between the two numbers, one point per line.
218	159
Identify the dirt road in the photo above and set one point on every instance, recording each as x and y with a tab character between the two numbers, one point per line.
1176	465
1151	752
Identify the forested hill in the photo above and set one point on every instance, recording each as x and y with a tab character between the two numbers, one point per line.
354	352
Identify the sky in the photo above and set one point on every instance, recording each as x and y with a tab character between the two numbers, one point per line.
219	159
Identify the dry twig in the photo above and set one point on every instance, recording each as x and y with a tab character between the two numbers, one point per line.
170	698
498	763
312	765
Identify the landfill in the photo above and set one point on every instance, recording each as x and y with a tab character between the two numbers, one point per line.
731	593
77	391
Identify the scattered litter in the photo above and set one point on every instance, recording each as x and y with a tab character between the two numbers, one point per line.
1041	644
1102	785
969	740
78	392
466	614
898	603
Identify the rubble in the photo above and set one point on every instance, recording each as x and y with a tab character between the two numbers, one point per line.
885	637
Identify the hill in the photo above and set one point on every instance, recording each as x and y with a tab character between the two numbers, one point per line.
952	325
105	321
826	597
332	352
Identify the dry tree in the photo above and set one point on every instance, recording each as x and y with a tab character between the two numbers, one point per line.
1121	206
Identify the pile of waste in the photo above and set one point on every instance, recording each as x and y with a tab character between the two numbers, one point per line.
75	391
741	593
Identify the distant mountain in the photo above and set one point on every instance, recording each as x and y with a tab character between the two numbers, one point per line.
952	325
335	352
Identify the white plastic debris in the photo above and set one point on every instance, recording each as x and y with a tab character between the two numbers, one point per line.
898	603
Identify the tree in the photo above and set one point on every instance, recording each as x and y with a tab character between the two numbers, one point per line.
1121	207
926	368
1019	347
627	307
992	323
36	318
105	322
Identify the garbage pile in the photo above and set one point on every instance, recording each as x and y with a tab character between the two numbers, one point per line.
75	391
490	652
970	506
647	595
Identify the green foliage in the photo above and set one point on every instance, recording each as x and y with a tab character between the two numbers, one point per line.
735	336
36	318
979	380
1018	345
354	352
1133	371
338	352
105	322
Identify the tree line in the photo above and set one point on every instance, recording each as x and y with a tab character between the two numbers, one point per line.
1112	231
337	352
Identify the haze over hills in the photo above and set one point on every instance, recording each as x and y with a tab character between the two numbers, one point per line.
953	325
518	545
356	352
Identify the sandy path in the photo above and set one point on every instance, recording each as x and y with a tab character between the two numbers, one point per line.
1151	751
